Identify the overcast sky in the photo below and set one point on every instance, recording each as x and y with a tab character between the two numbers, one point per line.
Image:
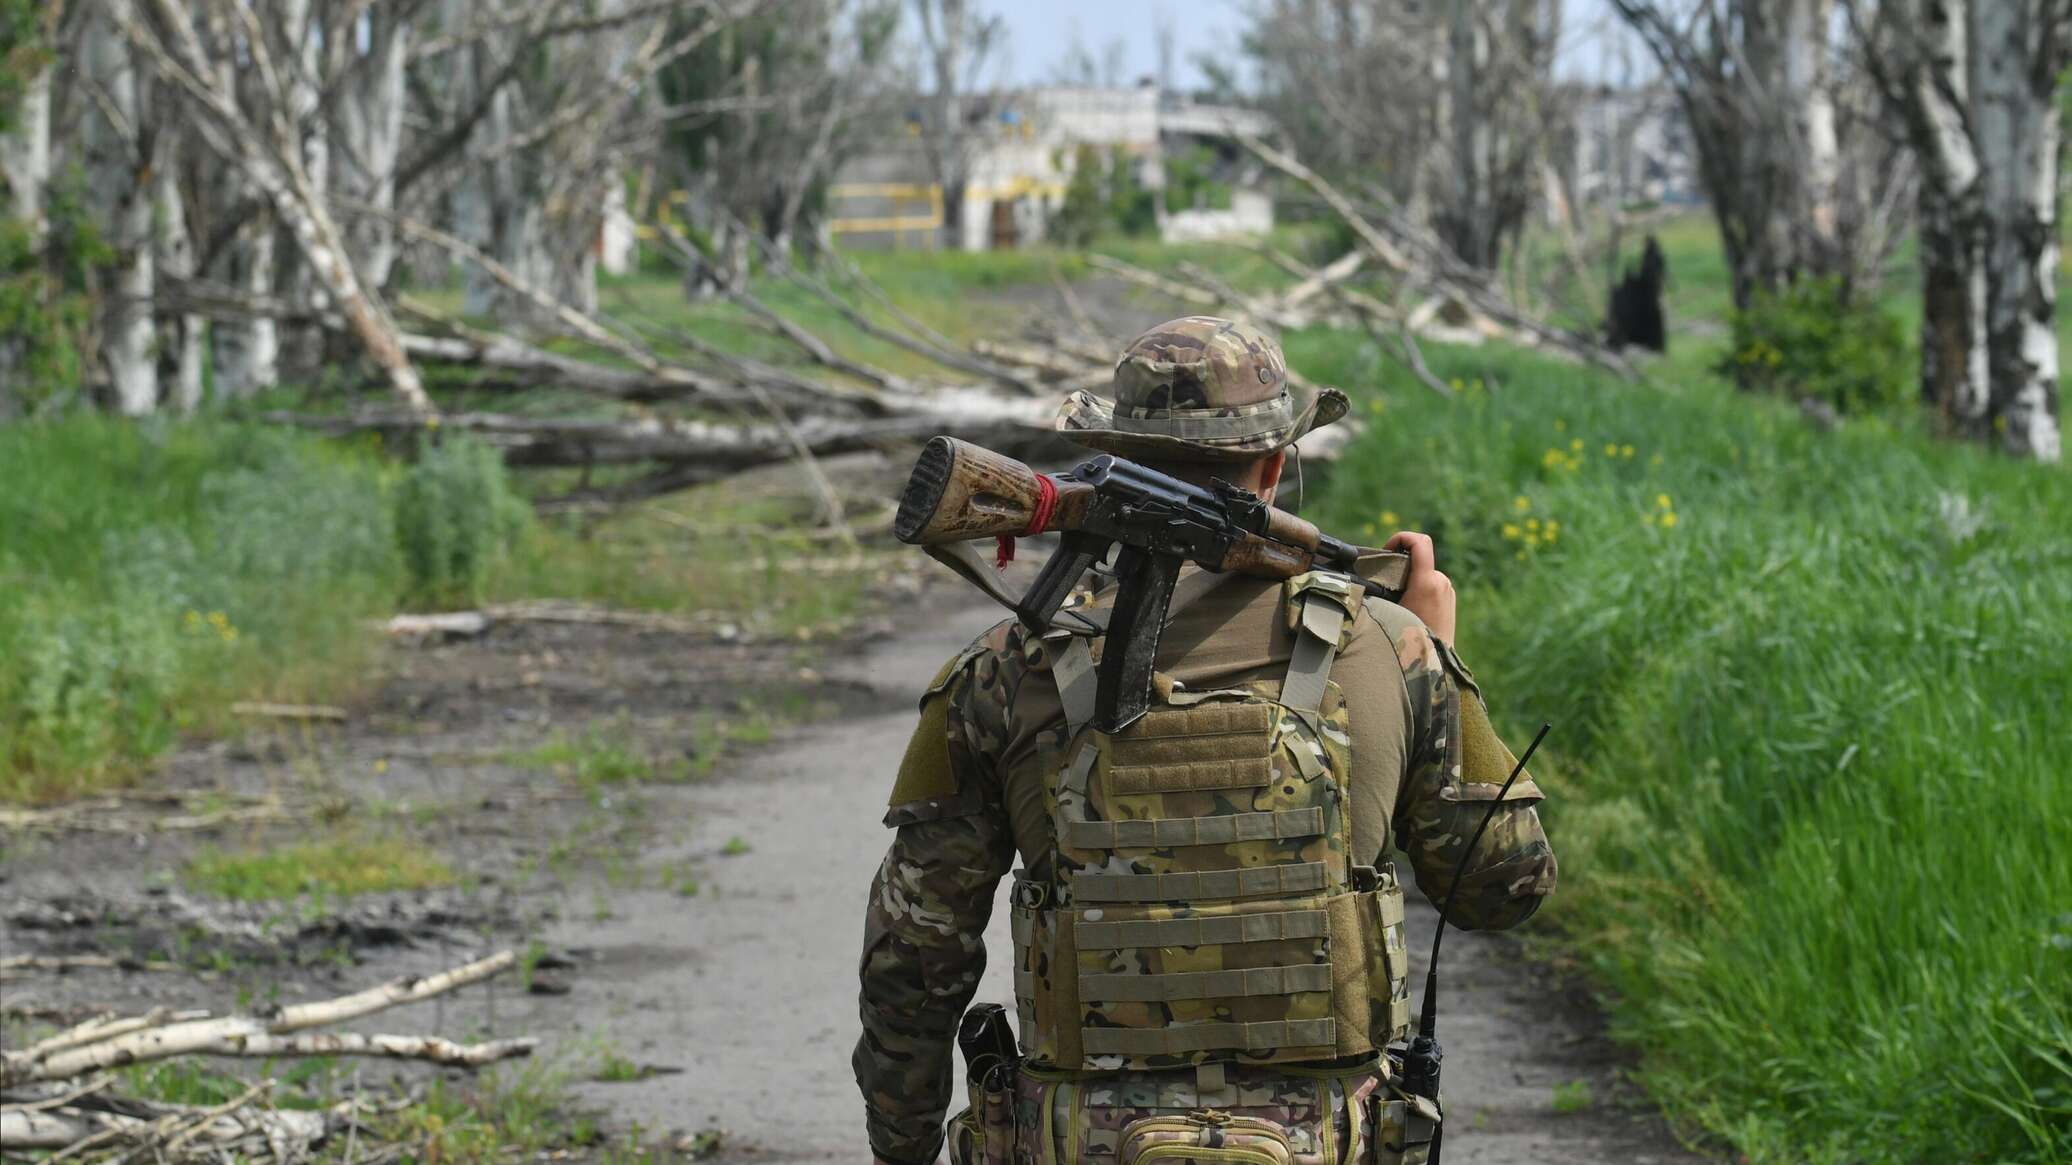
1041	34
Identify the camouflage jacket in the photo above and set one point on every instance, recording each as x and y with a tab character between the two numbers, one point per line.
966	806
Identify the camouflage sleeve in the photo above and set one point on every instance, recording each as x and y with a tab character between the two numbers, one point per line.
923	945
1457	767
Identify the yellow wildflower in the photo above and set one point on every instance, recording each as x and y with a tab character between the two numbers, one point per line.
1552	530
1611	449
1626	451
1368	529
1669	519
1511	531
1455	384
1560	426
1656	460
1521	503
1532	523
1576	445
1662	501
1388	518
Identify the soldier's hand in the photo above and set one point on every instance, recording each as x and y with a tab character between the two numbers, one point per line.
1427	592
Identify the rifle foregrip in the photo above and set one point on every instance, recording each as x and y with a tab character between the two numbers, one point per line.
959	492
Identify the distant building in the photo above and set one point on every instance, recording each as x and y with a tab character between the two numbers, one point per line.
1028	145
1630	145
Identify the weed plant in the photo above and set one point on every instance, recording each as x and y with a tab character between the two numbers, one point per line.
1808	771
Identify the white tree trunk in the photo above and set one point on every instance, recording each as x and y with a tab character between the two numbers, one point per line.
183	333
275	168
2016	127
119	188
1953	260
25	154
370	138
248	351
1808	86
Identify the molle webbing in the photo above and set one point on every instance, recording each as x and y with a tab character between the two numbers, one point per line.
1204	884
1318	1035
1130	987
1179	831
1197	777
1200	932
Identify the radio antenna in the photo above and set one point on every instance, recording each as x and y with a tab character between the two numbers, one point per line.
1421	1061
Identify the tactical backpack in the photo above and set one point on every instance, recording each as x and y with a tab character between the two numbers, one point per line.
1203	903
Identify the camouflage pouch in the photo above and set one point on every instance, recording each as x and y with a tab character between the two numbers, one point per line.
984	1134
1204	1137
1403	1127
967	1139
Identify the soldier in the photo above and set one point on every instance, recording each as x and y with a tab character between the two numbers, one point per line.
1208	933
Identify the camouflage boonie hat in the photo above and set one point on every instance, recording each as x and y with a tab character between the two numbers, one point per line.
1199	388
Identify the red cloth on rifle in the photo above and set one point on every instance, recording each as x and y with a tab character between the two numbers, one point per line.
1039	520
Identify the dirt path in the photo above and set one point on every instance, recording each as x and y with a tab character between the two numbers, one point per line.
751	988
706	926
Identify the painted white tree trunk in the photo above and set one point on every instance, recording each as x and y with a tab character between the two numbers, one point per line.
2016	127
119	188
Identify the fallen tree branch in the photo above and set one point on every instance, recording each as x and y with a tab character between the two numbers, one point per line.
1156	282
1439	273
166	1037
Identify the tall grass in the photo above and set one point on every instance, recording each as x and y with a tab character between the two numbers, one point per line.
153	574
1808	778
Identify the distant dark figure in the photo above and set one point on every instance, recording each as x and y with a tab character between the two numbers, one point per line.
1636	309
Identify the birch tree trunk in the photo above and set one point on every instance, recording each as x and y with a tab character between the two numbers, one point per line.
182	332
2021	51
247	351
25	154
271	161
370	137
118	165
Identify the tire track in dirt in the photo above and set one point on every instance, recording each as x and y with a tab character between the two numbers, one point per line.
750	986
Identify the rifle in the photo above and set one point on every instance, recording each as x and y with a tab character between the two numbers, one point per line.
959	493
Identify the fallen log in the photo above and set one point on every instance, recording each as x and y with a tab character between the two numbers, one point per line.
710	451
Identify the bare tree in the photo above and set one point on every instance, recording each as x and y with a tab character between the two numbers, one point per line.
1797	188
959	44
1500	107
1975	82
262	142
1446	105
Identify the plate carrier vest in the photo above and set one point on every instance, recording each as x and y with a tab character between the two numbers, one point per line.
1204	905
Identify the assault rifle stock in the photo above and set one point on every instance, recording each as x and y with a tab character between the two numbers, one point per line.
960	492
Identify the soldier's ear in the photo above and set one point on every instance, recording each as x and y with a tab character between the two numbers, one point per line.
1270	471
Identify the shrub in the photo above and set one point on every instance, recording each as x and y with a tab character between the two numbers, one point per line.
456	517
1812	342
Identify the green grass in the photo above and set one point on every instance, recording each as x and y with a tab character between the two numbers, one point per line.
1807	773
1572	1097
325	868
155	573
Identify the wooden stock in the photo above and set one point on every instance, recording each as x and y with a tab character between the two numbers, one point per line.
959	492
